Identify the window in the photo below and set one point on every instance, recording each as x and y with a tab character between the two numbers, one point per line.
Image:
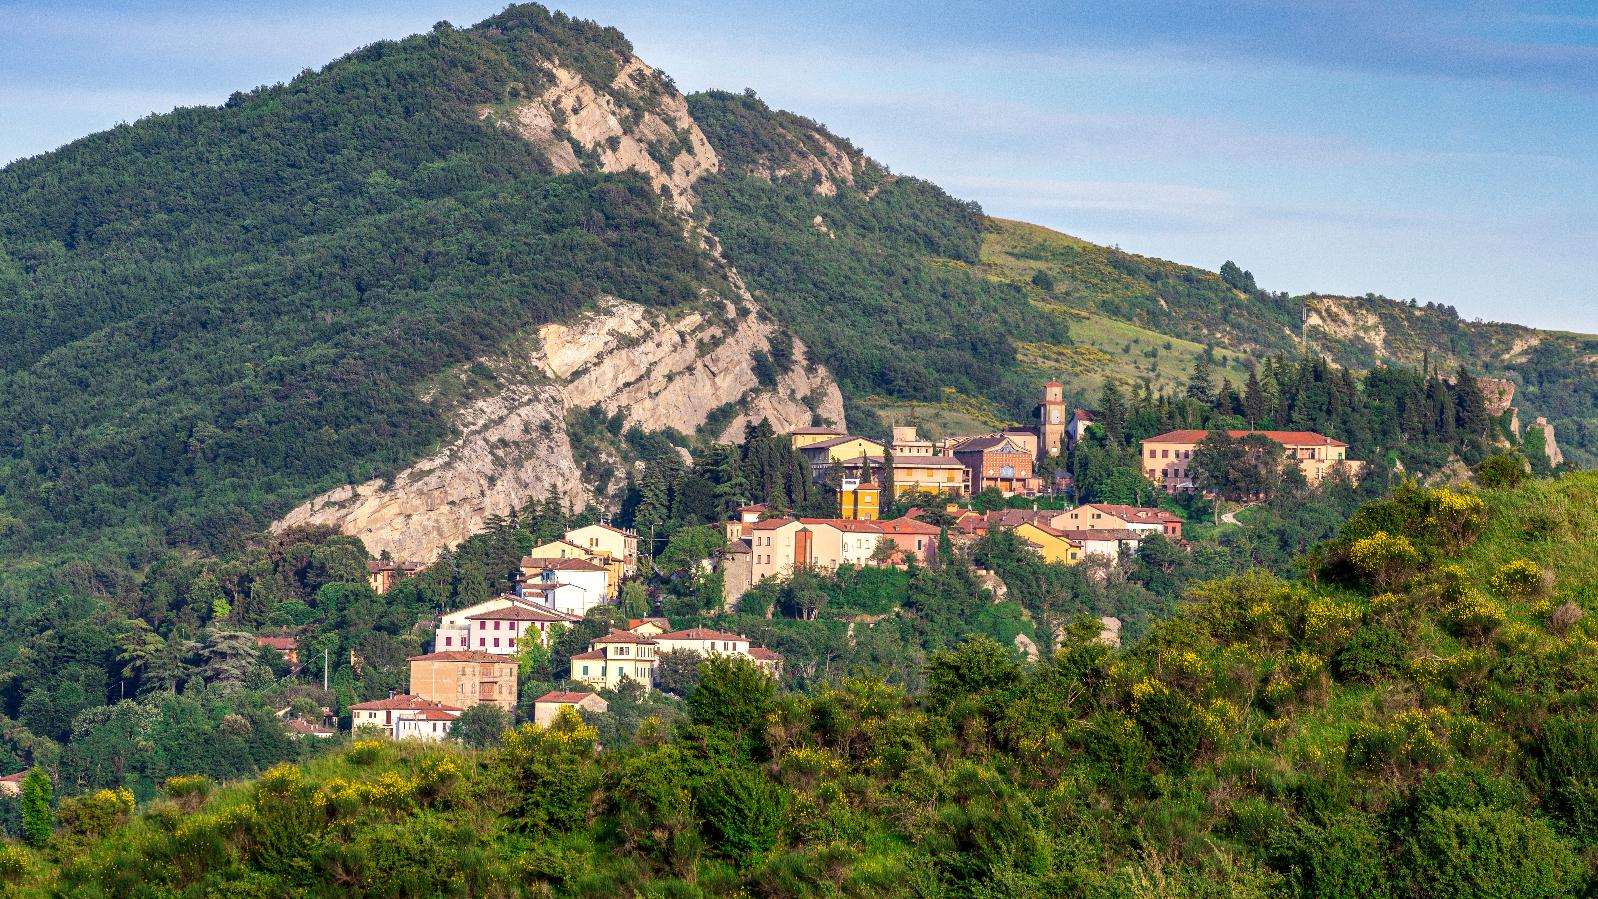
1165	454
496	641
481	642
449	641
1151	454
482	625
496	627
585	671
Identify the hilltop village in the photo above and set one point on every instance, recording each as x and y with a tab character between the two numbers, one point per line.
476	649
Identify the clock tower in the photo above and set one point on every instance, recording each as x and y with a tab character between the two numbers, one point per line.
1051	420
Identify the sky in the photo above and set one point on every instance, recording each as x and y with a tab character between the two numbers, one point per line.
1442	151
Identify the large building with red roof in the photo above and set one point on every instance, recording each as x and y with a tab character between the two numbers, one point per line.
1168	458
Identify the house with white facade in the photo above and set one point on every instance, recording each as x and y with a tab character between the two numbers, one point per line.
431	725
497	624
386	713
572	586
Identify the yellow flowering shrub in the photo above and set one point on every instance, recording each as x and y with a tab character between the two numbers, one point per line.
1410	739
1518	579
364	752
97	813
1456	518
13	860
1384	558
1473	616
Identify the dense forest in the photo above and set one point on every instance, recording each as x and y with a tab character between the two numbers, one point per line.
1413	718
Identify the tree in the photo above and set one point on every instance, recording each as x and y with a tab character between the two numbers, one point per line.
480	726
228	658
677	671
1502	470
689	548
634	599
38	820
733	694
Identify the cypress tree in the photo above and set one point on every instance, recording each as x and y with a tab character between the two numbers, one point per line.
38	820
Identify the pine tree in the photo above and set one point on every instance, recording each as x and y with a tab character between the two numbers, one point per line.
1254	401
1201	384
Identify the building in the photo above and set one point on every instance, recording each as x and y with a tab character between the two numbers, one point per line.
1110	545
301	728
382	574
780	545
939	475
913	539
648	627
856	456
287	647
803	437
384	713
496	625
1168	458
1050	543
548	706
464	678
618	547
1076	427
432	725
909	443
706	642
1111	516
859	501
11	784
1000	461
1051	421
560	549
617	656
572	586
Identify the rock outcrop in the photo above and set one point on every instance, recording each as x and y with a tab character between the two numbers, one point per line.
660	371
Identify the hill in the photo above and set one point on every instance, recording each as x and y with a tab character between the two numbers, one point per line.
1417	720
381	296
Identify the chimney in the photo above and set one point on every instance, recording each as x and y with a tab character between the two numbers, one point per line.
391	694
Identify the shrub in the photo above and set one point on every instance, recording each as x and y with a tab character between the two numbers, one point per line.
13	861
743	812
1565	617
1518	579
1564	771
38	819
1502	470
98	813
1373	652
1384	558
1341	858
1487	852
188	790
364	752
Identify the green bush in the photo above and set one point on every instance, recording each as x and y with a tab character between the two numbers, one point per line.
742	811
1372	653
1342	858
1486	853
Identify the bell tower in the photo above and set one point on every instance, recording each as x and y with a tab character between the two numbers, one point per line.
1051	420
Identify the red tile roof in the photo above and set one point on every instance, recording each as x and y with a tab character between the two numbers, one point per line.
402	701
655	620
278	643
306	728
1134	513
838	441
462	655
772	524
763	654
1106	534
908	525
522	613
560	564
700	633
433	715
14	778
565	697
590	655
1285	438
623	637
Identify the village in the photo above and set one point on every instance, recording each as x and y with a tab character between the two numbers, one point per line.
475	650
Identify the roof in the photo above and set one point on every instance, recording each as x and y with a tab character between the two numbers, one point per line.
278	642
462	655
927	462
1084	414
560	564
14	778
838	441
740	545
590	655
622	637
1106	534
431	715
565	697
300	726
609	527
402	701
1133	513
522	613
376	565
983	444
653	619
757	507
1010	518
1285	438
700	633
857	526
772	524
814	431
763	654
908	525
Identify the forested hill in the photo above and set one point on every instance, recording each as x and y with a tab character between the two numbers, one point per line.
215	314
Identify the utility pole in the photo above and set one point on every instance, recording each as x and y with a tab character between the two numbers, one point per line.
324	669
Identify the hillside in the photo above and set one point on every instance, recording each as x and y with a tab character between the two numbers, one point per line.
1417	720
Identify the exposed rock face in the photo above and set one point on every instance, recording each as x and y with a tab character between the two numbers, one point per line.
638	122
1555	455
661	372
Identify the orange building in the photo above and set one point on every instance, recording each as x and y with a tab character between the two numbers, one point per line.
465	678
1168	458
859	501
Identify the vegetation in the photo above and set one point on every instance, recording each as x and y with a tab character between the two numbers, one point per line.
1313	738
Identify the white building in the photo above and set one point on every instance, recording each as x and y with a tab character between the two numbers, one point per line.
572	586
704	642
429	724
387	713
496	625
546	707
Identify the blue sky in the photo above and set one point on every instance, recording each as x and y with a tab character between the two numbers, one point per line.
1445	151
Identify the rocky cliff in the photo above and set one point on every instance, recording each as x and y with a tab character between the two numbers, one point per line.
660	371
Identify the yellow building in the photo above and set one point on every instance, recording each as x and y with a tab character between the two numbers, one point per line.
1053	545
619	547
937	475
860	502
1167	459
803	437
824	453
